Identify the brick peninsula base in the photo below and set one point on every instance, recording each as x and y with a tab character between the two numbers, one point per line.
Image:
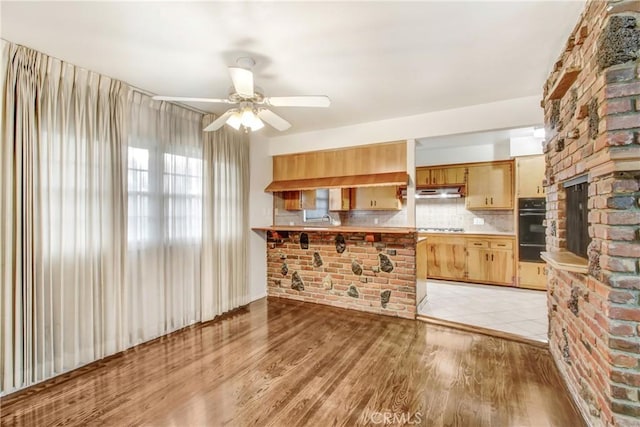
373	272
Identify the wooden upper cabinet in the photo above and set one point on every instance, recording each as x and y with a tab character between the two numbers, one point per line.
375	198
530	173
362	160
339	199
490	186
299	200
439	176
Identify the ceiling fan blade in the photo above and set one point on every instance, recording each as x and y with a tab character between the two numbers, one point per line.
299	101
274	120
187	99
242	81
219	122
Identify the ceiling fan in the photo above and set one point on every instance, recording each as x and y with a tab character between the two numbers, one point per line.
251	103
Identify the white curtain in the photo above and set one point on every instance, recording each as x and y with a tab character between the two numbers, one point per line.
165	190
120	221
224	255
62	216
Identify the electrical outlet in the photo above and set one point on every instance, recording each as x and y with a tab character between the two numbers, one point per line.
375	221
478	221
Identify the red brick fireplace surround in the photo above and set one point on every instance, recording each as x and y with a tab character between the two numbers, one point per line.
592	118
372	272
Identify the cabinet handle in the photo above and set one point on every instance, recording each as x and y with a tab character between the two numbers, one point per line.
538	268
477	244
375	203
492	200
491	257
486	256
486	201
538	190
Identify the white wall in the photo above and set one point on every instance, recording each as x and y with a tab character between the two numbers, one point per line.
260	214
499	150
518	112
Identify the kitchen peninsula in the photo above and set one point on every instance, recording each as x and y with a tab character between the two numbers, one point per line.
368	269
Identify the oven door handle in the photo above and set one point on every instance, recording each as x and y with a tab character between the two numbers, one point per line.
531	214
533	245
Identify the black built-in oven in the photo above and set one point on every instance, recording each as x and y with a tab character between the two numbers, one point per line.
531	233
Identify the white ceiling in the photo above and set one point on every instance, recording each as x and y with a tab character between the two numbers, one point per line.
375	60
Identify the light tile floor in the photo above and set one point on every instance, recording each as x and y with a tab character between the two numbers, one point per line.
518	311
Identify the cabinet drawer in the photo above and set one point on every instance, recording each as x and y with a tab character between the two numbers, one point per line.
502	244
478	244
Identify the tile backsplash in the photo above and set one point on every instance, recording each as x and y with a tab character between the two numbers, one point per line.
451	213
436	213
353	218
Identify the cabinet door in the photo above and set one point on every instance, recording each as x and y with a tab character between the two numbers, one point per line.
501	267
386	198
455	175
478	264
490	186
446	258
438	176
421	259
530	171
532	275
292	200
478	187
308	199
339	199
501	190
423	177
376	198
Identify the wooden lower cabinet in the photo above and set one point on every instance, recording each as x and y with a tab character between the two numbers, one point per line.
446	258
471	259
421	259
490	261
532	275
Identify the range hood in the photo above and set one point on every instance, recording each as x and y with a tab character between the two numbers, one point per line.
437	193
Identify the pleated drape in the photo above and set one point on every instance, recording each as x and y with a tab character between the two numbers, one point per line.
62	219
120	221
226	224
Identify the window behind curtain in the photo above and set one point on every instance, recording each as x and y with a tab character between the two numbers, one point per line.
172	212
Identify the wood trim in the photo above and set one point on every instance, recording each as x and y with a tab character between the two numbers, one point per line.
373	180
566	261
480	330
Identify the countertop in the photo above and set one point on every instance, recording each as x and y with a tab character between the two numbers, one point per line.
468	233
374	229
339	229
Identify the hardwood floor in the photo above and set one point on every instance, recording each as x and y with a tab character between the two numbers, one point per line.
288	363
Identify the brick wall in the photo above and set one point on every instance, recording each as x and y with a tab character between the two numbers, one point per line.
377	277
594	129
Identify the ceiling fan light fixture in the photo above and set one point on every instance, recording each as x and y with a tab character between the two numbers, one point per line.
247	118
257	124
235	120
